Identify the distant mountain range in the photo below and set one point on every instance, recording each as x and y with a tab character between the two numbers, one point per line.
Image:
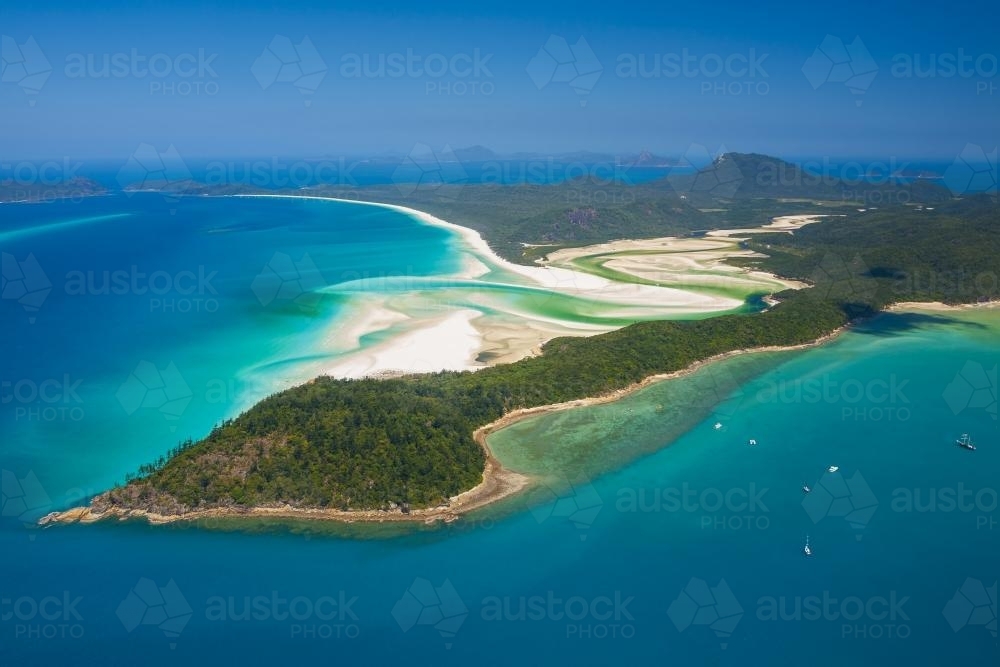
643	158
480	154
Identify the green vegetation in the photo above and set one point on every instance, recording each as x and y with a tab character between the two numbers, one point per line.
374	444
948	254
605	204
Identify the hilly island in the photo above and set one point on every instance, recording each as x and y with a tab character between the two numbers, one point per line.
413	446
480	334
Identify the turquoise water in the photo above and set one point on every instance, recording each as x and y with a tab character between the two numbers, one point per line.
593	530
170	286
224	301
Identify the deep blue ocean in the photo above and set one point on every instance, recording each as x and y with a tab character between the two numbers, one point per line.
687	554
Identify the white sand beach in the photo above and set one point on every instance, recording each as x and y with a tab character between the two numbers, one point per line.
449	342
782	223
687	263
426	333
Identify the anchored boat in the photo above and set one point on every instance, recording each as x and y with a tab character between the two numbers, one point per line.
965	442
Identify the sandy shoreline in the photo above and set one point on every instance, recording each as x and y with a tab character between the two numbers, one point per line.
937	306
683	262
781	223
455	331
492	329
498	482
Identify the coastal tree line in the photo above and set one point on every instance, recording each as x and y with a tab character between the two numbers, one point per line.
366	444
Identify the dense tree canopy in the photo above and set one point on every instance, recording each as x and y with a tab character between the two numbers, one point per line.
374	443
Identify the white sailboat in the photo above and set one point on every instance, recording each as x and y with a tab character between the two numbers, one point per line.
965	442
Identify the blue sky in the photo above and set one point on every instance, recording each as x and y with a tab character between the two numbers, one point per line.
569	97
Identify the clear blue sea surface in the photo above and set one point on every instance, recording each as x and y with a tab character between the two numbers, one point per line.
687	554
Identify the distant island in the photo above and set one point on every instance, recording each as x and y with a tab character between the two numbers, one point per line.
414	447
37	190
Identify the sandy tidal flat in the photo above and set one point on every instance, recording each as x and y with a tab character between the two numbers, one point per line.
503	311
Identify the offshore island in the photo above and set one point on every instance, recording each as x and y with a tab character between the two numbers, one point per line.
790	261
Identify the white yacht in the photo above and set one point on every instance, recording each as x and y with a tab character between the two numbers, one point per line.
833	469
965	442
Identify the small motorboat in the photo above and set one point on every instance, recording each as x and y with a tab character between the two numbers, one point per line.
805	488
718	425
833	469
807	550
965	442
753	443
